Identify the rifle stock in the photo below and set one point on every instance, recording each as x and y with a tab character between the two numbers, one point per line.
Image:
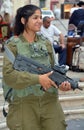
23	63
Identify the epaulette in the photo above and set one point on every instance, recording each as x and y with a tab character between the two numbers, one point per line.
44	38
14	39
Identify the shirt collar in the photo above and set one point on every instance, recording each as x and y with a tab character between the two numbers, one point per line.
23	38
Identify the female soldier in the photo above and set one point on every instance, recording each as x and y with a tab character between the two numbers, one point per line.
31	108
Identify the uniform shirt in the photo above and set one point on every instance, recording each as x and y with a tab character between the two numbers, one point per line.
50	32
25	83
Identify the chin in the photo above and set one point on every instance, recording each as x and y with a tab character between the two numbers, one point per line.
38	30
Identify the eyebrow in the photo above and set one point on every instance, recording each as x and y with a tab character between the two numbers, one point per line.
36	15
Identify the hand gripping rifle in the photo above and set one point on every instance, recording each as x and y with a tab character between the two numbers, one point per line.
23	63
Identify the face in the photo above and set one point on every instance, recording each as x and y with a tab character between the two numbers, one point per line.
46	24
34	22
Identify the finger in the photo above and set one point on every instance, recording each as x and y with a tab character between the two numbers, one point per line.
68	85
48	74
53	84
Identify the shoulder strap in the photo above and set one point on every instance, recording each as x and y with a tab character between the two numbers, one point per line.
9	54
11	57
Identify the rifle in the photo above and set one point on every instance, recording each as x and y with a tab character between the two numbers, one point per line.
23	63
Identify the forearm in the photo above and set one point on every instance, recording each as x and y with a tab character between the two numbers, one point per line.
17	79
61	39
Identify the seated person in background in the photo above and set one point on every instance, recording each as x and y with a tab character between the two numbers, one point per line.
49	31
4	31
6	17
4	28
2	22
9	20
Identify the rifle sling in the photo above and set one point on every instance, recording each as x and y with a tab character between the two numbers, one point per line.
11	58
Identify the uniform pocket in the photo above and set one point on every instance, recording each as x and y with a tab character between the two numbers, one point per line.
14	117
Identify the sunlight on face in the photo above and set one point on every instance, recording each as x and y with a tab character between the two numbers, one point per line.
35	21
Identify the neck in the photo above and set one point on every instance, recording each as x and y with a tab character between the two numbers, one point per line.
30	37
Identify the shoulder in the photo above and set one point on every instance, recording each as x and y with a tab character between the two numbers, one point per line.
44	40
54	27
77	11
41	37
13	39
12	44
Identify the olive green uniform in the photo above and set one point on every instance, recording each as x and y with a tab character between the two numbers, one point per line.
31	108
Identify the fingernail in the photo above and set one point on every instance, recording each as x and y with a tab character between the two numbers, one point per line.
51	71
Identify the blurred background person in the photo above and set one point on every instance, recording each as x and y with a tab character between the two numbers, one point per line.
48	30
75	7
2	24
7	6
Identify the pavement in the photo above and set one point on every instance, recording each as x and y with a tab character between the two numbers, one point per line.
75	124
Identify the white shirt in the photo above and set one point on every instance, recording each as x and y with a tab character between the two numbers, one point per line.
73	9
50	32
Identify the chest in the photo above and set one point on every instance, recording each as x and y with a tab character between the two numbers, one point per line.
37	51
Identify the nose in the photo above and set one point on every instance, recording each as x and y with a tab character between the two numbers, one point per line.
40	20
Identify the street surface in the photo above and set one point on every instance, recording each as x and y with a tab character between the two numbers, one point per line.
75	124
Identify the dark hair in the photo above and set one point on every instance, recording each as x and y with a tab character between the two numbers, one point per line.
80	3
25	12
45	18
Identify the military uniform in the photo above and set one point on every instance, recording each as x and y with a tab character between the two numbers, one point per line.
31	108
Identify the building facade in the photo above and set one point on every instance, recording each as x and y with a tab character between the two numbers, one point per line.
41	3
63	5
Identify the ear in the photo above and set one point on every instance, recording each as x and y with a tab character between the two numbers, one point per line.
22	20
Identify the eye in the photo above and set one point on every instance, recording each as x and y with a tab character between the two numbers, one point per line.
37	17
